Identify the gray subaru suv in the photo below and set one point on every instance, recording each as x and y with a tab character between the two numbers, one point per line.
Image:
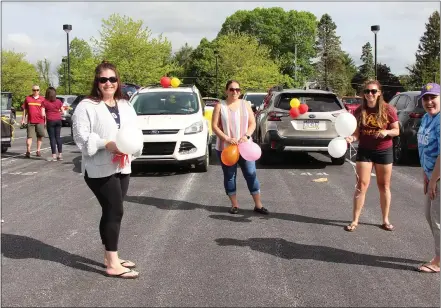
312	131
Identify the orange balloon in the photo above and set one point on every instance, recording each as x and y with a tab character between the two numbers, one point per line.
230	155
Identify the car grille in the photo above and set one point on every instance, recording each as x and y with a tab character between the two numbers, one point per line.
158	148
186	146
160	131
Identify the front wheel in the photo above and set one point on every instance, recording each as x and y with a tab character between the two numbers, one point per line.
338	161
4	148
203	166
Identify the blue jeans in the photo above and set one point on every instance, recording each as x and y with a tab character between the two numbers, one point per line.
248	171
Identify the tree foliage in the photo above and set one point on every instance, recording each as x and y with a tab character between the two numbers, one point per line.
129	45
18	76
282	32
44	68
240	57
427	63
82	66
331	69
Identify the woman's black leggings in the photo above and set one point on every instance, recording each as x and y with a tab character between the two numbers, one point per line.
54	131
110	192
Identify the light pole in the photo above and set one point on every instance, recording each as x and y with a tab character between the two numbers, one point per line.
325	57
67	29
216	54
375	29
64	60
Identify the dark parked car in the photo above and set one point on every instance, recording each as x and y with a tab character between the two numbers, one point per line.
129	89
72	109
410	111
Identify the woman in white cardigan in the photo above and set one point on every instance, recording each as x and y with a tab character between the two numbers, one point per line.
96	121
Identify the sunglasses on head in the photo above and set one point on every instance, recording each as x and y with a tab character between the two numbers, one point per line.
105	79
367	91
35	89
234	89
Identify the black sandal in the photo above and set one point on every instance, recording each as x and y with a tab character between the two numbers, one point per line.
261	210
234	210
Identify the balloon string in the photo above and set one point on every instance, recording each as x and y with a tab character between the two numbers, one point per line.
351	147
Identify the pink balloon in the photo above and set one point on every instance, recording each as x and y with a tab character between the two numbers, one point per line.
250	151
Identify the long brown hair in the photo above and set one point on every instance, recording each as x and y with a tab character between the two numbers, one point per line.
95	93
380	107
51	94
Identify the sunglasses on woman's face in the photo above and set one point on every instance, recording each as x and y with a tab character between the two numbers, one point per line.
234	89
372	91
105	79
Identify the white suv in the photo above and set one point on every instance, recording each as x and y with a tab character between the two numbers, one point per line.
175	130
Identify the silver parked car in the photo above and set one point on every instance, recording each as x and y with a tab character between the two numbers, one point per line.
276	131
67	100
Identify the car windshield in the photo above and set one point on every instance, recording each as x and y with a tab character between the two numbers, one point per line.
316	102
352	100
211	102
255	99
170	102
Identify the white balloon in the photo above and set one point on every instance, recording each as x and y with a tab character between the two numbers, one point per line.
345	124
337	147
129	139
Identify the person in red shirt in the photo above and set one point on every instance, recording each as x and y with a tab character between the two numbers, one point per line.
34	115
377	125
53	106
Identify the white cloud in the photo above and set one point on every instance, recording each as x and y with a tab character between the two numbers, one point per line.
19	39
402	24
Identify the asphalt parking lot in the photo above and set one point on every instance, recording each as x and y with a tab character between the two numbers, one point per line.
191	252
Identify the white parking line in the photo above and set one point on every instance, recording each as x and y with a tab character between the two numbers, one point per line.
42	149
353	164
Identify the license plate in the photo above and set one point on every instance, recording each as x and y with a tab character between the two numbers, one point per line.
6	139
310	124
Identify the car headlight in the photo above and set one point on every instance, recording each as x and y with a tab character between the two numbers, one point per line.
194	128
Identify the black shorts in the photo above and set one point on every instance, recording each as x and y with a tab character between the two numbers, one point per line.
381	157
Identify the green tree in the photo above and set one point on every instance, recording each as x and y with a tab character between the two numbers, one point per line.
240	57
82	66
17	76
181	60
129	45
44	68
391	83
289	35
365	70
330	69
350	72
426	67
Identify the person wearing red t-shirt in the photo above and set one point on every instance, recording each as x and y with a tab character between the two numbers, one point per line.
53	106
377	125
34	115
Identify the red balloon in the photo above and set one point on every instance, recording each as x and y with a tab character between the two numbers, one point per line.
165	82
303	108
294	112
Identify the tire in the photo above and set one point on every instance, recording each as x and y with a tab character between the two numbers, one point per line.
203	167
400	150
266	157
338	161
4	148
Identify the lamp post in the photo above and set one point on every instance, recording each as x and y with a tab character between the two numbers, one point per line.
375	29
216	54
325	57
67	29
64	60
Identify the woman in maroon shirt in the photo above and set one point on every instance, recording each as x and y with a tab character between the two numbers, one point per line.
53	118
377	125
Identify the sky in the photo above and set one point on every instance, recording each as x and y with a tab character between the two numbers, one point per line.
36	28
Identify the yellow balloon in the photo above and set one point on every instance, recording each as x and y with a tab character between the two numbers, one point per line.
175	82
294	103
